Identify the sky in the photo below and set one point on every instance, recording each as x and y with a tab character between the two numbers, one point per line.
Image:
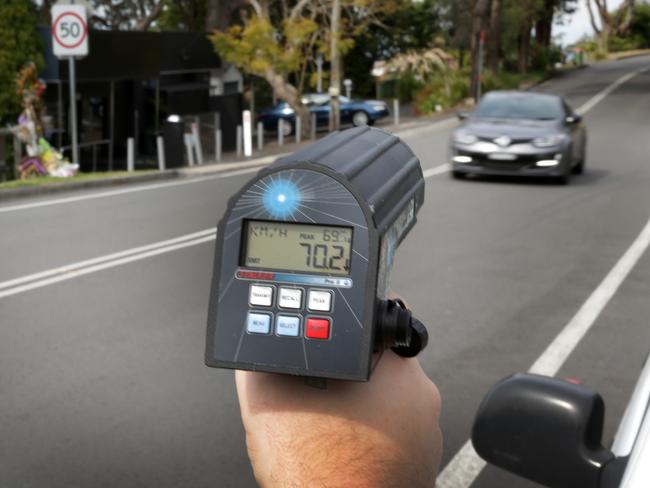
578	25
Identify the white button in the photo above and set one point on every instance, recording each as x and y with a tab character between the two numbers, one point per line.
286	325
258	323
320	301
261	295
290	298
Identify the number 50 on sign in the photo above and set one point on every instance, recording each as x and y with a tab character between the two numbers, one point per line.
69	30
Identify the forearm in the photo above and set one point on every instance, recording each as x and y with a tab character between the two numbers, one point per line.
334	453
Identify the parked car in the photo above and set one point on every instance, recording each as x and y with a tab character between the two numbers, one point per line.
550	431
356	112
519	133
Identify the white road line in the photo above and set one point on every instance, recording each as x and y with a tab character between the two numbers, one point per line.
89	262
465	467
61	273
99	267
437	170
124	191
600	96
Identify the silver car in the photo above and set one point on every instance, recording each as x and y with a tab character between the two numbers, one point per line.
522	134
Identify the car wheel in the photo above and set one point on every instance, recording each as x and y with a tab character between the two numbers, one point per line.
458	175
579	168
360	118
287	127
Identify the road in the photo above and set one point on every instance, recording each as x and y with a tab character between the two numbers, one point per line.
102	381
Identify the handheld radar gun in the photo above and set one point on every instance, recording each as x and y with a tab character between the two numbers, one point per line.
303	259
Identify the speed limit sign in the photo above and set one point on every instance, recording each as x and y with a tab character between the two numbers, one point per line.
69	30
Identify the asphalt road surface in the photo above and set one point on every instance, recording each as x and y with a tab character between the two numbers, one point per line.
102	381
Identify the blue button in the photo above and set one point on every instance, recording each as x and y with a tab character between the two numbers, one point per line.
258	323
287	325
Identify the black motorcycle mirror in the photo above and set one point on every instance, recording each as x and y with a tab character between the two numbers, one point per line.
546	430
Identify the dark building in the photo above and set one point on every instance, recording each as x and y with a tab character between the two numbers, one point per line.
128	86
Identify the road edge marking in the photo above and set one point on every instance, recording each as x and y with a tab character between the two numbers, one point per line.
102	266
466	465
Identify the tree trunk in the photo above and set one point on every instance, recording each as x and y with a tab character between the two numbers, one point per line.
335	68
478	19
623	28
287	92
603	37
219	13
524	48
494	37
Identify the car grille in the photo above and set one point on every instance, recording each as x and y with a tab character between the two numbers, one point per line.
521	162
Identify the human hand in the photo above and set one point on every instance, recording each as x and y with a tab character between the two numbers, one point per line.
383	433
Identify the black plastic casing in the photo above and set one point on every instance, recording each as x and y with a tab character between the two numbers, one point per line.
384	186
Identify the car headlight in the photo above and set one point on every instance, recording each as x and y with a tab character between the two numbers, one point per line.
462	138
548	141
377	106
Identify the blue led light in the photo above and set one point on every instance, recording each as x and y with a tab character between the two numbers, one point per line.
281	199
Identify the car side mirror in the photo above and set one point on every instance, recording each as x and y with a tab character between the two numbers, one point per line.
543	429
462	115
573	119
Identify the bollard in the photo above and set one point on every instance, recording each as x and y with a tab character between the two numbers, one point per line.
187	138
196	141
239	141
130	154
260	136
298	128
396	111
280	132
217	145
160	145
313	127
247	133
18	155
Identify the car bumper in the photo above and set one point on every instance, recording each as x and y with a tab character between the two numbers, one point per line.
375	115
546	163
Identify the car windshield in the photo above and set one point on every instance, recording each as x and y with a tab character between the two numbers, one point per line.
320	99
519	106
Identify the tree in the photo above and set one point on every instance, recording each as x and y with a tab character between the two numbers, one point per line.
136	15
604	30
627	10
480	13
278	40
275	42
494	36
19	44
219	13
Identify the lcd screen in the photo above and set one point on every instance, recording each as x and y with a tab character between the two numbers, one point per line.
321	249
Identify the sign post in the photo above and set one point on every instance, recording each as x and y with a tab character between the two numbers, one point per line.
70	40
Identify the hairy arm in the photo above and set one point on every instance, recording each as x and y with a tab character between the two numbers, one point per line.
383	433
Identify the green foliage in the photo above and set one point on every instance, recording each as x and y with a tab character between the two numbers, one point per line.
19	44
444	90
640	28
401	25
447	90
617	44
256	46
183	15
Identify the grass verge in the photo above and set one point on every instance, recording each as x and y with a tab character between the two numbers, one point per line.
46	180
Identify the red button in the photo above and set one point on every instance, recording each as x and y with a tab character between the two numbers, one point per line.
318	328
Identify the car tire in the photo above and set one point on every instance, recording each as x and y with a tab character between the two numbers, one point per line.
579	168
458	175
360	118
287	128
